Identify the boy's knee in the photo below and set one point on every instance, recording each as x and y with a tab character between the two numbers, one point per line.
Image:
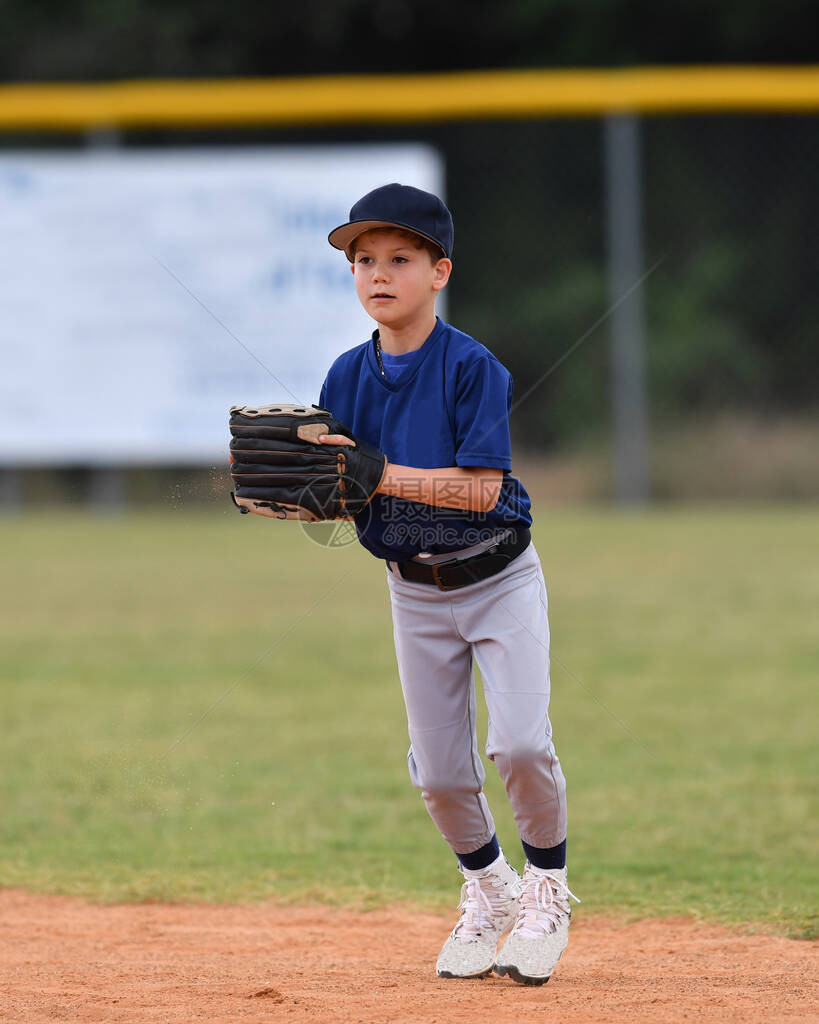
443	786
522	756
445	780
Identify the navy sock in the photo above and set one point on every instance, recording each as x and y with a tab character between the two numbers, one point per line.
540	857
481	858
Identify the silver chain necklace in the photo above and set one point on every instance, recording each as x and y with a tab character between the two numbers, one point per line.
378	355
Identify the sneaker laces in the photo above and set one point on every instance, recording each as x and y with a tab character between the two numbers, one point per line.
543	902
480	906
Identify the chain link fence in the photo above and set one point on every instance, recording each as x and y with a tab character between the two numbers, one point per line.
728	219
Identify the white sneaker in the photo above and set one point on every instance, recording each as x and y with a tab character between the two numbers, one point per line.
489	905
541	931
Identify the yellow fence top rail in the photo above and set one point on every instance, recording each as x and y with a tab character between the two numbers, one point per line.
449	96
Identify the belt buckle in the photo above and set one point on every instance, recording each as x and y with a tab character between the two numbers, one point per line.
439	583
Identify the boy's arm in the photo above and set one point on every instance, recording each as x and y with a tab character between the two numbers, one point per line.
472	488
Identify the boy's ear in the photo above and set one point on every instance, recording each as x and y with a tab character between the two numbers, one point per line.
442	270
352	268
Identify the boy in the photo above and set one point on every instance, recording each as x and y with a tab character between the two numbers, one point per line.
452	525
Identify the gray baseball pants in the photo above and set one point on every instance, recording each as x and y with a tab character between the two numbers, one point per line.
502	623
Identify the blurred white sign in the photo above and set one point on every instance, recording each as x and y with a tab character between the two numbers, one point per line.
141	290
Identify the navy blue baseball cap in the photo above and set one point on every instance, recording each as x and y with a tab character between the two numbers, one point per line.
397	206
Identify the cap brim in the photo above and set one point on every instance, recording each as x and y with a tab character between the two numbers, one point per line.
342	236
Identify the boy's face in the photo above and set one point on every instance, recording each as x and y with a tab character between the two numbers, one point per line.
395	281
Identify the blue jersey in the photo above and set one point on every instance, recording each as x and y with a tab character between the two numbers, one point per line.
448	407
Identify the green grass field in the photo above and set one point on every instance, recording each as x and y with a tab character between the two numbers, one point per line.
695	627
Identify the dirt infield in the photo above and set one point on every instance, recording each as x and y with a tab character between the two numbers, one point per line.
63	959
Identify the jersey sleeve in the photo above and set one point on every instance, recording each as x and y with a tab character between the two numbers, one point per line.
482	405
323	394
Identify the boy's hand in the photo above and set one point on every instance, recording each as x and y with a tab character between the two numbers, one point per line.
336	439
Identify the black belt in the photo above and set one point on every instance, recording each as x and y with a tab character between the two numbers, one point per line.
457	573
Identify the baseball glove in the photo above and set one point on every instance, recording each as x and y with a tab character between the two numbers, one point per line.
280	468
